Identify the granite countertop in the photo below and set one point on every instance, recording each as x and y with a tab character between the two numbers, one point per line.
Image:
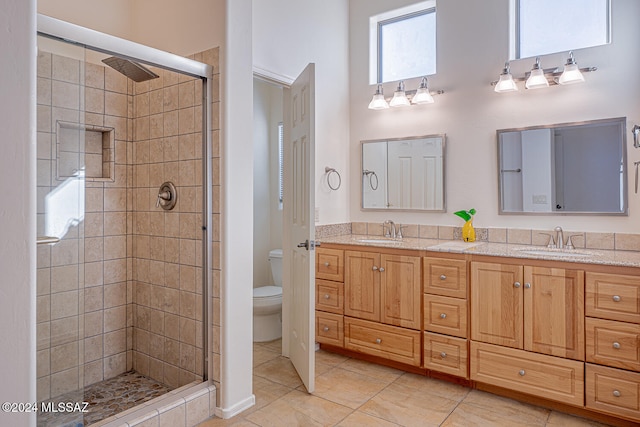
584	256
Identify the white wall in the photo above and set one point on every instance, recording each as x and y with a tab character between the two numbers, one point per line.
267	216
287	36
472	48
113	17
18	216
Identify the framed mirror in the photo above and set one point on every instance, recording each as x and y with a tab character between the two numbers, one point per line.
570	168
405	174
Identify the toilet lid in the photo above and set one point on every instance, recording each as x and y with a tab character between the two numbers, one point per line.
267	291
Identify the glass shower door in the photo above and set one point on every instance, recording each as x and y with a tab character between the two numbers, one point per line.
61	167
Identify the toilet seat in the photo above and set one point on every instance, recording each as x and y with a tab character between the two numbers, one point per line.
267	291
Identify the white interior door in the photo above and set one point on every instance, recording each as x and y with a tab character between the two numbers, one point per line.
299	228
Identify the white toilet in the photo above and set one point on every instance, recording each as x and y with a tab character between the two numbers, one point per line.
267	303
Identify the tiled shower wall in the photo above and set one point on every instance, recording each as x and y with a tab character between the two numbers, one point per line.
129	295
83	317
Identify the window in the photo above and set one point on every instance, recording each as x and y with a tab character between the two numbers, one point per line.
551	26
280	163
403	43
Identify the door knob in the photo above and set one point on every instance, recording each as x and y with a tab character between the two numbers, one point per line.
443	354
381	269
616	393
517	284
616	345
374	268
616	298
527	285
521	373
443	277
443	315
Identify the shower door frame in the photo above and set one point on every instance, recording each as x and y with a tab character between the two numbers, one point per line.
108	44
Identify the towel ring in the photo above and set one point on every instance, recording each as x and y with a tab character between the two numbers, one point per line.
329	171
371	175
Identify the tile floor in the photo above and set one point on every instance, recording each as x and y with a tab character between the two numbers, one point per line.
350	392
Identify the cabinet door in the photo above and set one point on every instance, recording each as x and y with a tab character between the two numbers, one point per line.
496	303
401	290
362	285
554	311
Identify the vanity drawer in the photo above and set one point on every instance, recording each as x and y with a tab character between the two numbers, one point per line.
537	374
613	343
446	277
613	296
329	328
330	264
389	342
445	315
613	390
330	296
445	354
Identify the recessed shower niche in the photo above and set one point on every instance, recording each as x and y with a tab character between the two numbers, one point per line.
85	148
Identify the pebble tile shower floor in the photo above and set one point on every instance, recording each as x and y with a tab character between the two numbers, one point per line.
105	399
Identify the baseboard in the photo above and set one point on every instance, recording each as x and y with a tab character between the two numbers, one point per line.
226	413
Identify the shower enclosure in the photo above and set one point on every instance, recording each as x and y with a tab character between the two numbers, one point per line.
124	221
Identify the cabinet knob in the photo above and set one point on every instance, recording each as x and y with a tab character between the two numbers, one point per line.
616	393
326	264
443	315
517	284
616	298
443	354
378	340
527	285
326	296
616	345
522	372
326	329
374	268
381	269
443	277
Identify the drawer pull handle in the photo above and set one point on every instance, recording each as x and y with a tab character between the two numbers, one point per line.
443	315
517	284
616	345
375	268
443	277
616	298
378	341
616	393
443	354
326	329
381	269
326	296
527	285
522	372
326	264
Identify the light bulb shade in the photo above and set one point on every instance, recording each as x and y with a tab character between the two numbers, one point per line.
422	96
571	75
399	99
536	80
377	101
506	84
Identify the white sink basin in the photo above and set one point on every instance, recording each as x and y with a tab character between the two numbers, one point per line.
559	253
380	241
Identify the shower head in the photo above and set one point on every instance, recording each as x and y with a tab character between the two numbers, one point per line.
133	70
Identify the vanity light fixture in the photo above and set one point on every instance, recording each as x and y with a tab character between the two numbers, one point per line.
539	77
506	82
378	102
422	95
400	97
571	73
536	79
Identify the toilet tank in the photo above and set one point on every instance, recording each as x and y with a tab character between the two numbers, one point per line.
275	259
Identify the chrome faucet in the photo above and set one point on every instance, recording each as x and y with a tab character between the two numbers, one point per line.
559	237
391	231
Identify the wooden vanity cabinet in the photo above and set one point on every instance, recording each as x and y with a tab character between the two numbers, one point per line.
330	296
537	309
613	341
